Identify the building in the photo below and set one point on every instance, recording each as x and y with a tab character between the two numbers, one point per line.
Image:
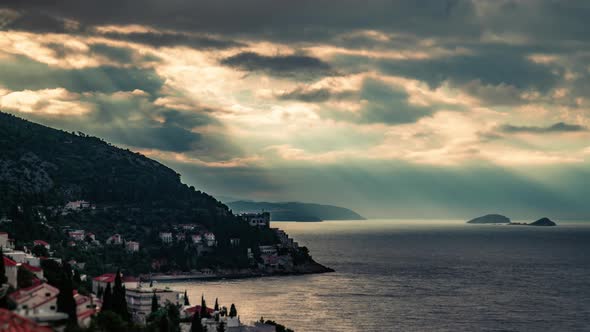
11	271
109	278
10	321
42	243
188	227
115	239
268	250
139	300
4	240
42	297
261	220
132	246
234	242
210	239
77	205
37	271
166	237
86	308
197	238
180	236
77	235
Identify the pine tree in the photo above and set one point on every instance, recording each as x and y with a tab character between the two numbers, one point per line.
3	278
155	305
221	327
119	300
233	312
196	325
107	299
216	308
151	283
204	313
186	300
77	281
65	298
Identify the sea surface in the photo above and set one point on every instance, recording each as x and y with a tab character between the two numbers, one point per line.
416	275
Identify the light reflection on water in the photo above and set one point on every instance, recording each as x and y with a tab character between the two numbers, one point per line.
394	275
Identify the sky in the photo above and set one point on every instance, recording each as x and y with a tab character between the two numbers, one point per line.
406	109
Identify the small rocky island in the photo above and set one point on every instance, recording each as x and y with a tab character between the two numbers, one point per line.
541	222
490	219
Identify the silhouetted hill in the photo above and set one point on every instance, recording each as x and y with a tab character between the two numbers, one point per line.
490	219
543	222
54	166
295	211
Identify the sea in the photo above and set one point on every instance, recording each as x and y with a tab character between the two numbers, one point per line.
422	275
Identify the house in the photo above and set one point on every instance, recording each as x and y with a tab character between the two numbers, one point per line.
234	242
103	280
180	237
197	238
3	239
166	237
5	220
268	250
37	271
42	297
86	308
139	300
210	239
132	246
77	235
11	270
91	236
77	205
41	243
115	239
11	321
188	227
261	220
188	311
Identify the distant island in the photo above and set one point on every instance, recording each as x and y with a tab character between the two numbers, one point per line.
500	219
296	211
490	219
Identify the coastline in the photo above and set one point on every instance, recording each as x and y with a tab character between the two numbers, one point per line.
308	268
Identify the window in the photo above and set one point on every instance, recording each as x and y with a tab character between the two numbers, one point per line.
47	294
52	307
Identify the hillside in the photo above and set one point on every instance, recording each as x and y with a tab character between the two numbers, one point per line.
296	211
42	169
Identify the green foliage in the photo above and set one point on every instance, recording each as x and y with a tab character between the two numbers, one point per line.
118	299
107	299
155	305
186	300
40	251
233	312
109	321
279	327
221	327
3	278
196	325
24	277
65	298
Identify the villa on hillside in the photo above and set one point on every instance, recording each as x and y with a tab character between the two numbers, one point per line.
139	300
115	239
166	237
42	297
261	220
132	246
102	281
42	243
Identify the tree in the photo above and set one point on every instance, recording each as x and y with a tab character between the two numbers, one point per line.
221	327
196	325
216	307
233	312
40	251
24	277
119	300
3	278
164	324
155	305
186	300
65	298
77	280
204	313
107	299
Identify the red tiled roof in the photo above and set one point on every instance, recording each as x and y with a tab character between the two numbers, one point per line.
2	233
40	242
11	322
25	291
31	267
9	262
197	308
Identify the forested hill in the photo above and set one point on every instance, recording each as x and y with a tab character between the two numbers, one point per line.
296	211
44	165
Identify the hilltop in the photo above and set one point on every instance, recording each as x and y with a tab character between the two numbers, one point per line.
296	211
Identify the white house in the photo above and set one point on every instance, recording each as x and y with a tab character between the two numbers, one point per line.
11	268
114	239
139	300
86	308
77	235
197	238
261	220
4	240
132	246
210	239
42	297
166	237
77	205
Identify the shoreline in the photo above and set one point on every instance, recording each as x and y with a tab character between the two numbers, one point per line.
310	268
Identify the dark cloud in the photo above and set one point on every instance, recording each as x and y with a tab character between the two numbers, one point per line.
291	66
22	73
118	54
315	95
559	127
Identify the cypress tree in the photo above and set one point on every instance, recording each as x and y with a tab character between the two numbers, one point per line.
216	308
107	299
233	312
186	301
77	279
119	300
221	327
65	298
196	325
204	313
3	278
155	305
